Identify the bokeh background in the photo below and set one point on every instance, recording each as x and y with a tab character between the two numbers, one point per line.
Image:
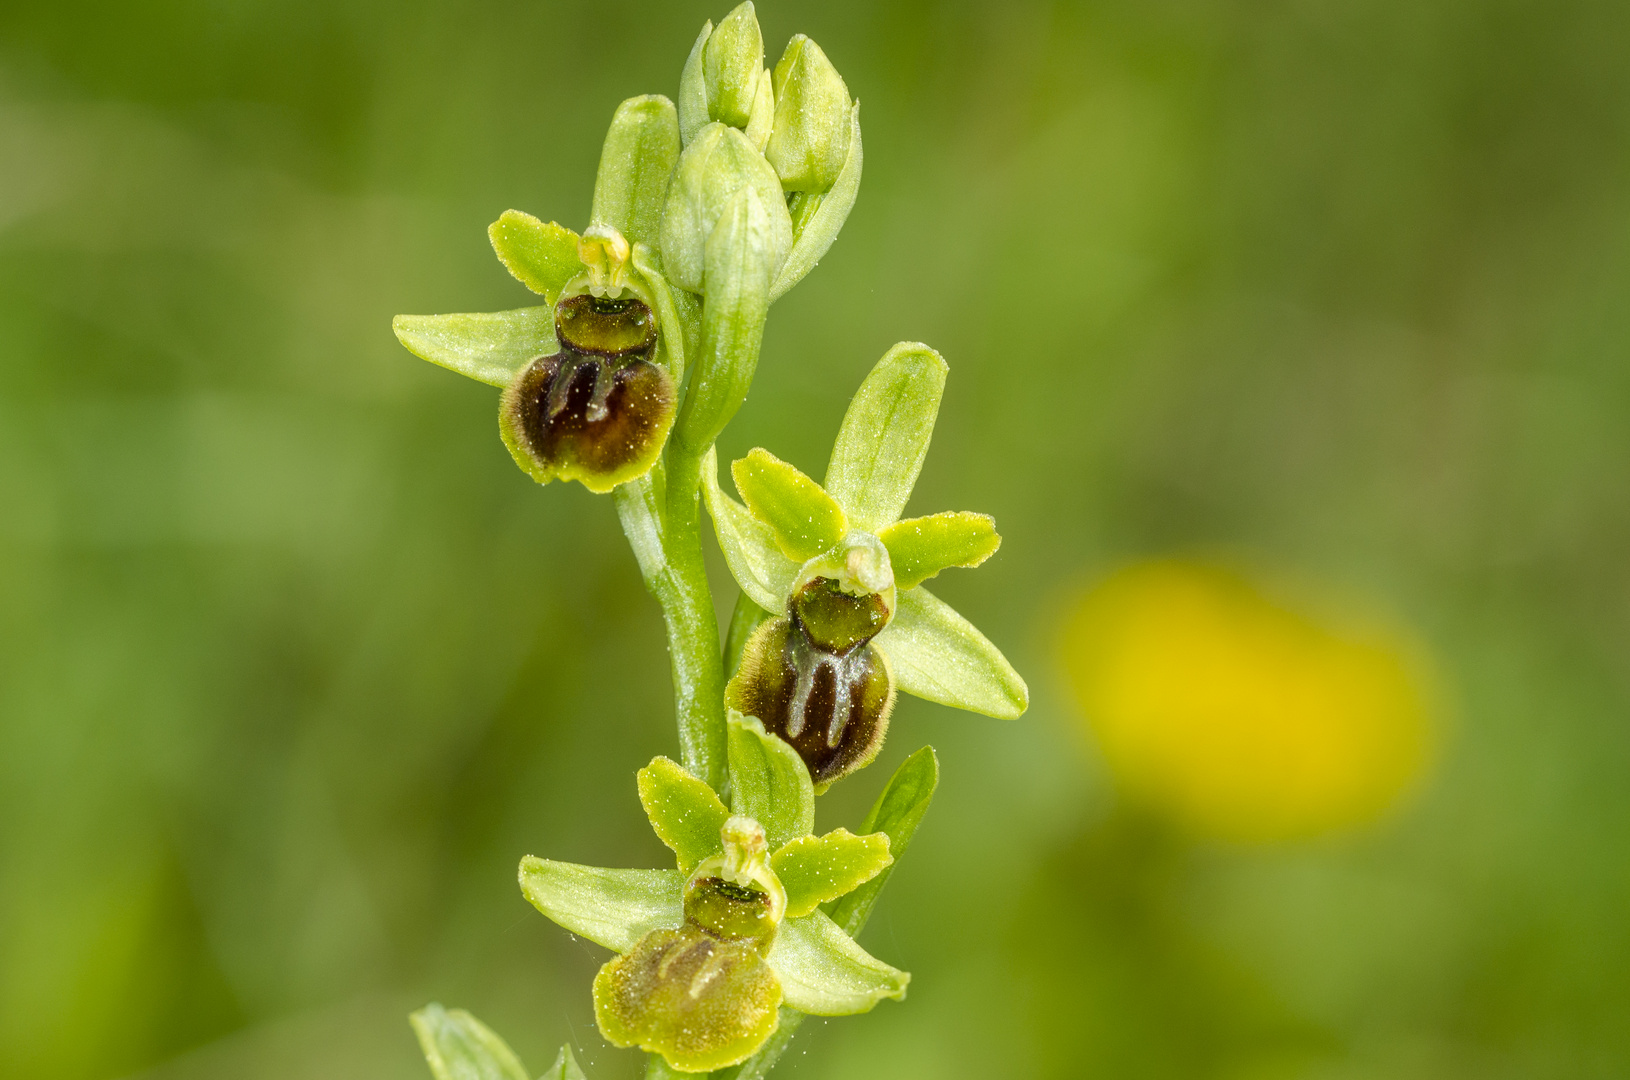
295	664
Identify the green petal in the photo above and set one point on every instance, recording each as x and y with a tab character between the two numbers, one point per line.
460	1047
897	813
921	547
749	547
885	435
816	237
614	908
824	972
684	811
541	255
769	782
936	654
804	518
636	163
488	346
564	1068
815	869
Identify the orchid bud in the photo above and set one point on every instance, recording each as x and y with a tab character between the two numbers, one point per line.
732	59
718	164
810	139
599	410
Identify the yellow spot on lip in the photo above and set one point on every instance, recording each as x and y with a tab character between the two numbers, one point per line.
1238	717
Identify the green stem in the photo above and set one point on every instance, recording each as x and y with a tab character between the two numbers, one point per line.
667	542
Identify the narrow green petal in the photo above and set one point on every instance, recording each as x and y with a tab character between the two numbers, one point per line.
636	163
684	811
921	547
885	435
815	239
815	869
824	972
769	782
487	346
457	1046
749	547
614	908
897	813
935	653
565	1067
805	519
671	343
541	254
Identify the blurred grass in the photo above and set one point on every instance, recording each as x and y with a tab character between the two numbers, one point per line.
296	664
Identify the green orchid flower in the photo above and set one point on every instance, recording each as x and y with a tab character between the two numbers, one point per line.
712	954
835	577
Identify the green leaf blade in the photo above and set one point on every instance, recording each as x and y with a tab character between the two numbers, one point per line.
684	811
750	549
936	654
540	254
816	869
806	520
487	346
614	908
885	436
565	1067
769	782
824	973
896	814
457	1046
921	547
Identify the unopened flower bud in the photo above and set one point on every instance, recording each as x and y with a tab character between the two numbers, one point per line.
732	59
810	140
599	410
718	164
833	708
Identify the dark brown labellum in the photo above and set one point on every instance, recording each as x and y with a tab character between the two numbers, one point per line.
833	708
593	324
597	411
835	620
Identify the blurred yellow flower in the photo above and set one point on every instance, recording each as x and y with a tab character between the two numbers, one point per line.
1239	718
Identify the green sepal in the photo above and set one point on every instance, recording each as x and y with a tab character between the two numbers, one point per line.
806	520
540	254
885	435
740	256
750	550
457	1046
815	239
565	1067
823	971
896	814
636	163
936	654
684	811
921	547
487	346
614	908
816	869
769	782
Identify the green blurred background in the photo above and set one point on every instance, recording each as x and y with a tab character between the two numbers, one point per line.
295	664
